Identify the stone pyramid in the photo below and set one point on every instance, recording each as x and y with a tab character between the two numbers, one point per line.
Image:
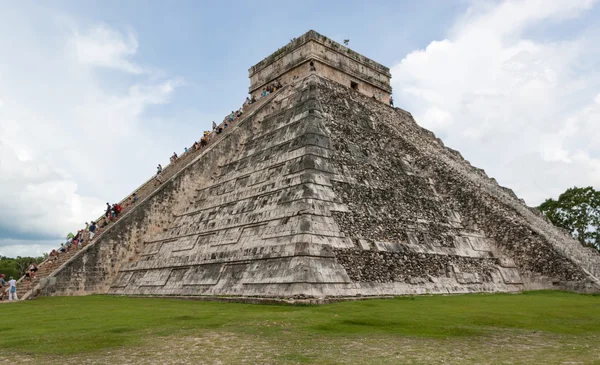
327	191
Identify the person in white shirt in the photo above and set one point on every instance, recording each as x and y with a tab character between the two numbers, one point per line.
13	289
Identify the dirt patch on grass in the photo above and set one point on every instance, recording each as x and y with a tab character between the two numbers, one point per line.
234	348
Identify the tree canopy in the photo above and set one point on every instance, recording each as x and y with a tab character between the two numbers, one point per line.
578	211
17	266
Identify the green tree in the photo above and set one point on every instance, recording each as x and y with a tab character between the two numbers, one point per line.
578	211
16	267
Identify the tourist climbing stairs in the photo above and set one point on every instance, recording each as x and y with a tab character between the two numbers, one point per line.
25	284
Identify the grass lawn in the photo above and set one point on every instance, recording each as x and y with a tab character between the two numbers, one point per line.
529	328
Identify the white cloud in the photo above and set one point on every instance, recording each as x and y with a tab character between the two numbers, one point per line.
105	47
32	248
437	118
526	110
70	138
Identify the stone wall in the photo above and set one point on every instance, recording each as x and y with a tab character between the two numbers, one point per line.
409	195
261	226
302	69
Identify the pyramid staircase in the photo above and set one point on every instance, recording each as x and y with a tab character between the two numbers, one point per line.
24	285
27	289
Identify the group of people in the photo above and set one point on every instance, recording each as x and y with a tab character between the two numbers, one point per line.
203	141
218	129
112	211
73	241
234	115
86	234
82	237
12	288
271	88
12	283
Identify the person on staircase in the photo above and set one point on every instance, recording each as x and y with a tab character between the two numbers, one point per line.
32	270
108	210
2	285
113	212
12	291
159	170
104	224
132	200
27	280
30	274
70	237
77	239
84	238
93	229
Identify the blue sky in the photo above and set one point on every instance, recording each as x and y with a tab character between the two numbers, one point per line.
94	94
212	45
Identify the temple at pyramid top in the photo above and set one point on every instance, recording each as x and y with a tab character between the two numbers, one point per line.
313	52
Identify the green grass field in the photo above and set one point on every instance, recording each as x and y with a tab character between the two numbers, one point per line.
529	328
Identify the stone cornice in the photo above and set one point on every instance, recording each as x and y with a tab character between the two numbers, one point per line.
311	35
